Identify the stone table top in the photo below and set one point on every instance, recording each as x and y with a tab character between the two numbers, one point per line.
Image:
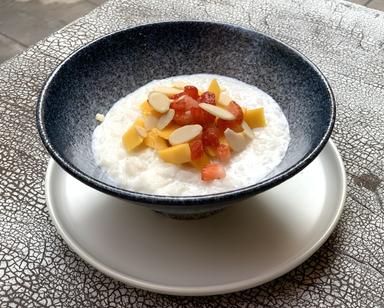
346	41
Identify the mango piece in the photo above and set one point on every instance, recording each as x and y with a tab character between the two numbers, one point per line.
147	109
214	88
200	163
177	154
154	141
132	139
139	122
255	117
167	131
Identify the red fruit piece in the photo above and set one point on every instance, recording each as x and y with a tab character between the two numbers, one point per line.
191	91
197	149
190	103
183	117
178	105
236	110
223	152
177	96
200	116
211	136
207	97
212	171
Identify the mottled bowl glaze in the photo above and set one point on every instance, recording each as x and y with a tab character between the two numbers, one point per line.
98	74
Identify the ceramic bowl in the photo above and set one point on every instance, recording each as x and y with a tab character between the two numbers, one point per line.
94	77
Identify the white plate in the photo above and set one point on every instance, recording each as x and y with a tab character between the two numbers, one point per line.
243	246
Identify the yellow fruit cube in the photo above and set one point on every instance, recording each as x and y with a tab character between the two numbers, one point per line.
255	117
177	154
215	89
139	122
223	140
153	140
200	163
147	109
132	139
167	131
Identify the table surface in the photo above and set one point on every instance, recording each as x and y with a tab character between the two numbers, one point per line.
346	41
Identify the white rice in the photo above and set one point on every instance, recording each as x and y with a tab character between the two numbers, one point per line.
145	172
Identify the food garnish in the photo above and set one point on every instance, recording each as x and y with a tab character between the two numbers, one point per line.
188	126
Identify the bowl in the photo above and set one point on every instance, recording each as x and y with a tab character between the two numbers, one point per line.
95	76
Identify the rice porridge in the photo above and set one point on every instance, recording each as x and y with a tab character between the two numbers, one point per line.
144	171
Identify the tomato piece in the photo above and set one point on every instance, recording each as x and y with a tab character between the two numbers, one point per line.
178	105
183	117
207	97
223	152
197	149
177	96
211	136
191	91
200	116
236	110
212	171
190	103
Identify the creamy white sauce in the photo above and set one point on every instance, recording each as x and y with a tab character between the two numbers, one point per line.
144	171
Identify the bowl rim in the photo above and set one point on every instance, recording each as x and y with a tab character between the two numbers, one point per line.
151	199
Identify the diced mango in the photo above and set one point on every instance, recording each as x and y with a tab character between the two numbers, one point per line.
147	109
210	151
167	131
255	117
139	122
153	140
177	154
200	163
132	139
214	88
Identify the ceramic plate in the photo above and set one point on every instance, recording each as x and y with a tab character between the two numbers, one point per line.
246	245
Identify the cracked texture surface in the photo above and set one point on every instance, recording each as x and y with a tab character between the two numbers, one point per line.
346	41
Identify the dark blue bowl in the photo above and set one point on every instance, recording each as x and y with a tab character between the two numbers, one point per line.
98	74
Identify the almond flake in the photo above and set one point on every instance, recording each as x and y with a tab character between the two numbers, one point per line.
217	111
236	141
141	131
150	122
185	134
247	130
159	101
165	119
168	91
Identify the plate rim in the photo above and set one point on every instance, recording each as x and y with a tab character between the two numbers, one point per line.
131	281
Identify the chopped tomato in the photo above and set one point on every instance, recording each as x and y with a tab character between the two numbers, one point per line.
207	97
223	152
212	171
178	95
191	91
236	110
197	149
178	105
183	117
200	116
211	136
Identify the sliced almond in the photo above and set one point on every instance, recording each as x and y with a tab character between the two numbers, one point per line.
247	130
185	134
165	119
179	85
150	122
141	131
100	117
217	111
224	99
168	91
236	141
159	101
